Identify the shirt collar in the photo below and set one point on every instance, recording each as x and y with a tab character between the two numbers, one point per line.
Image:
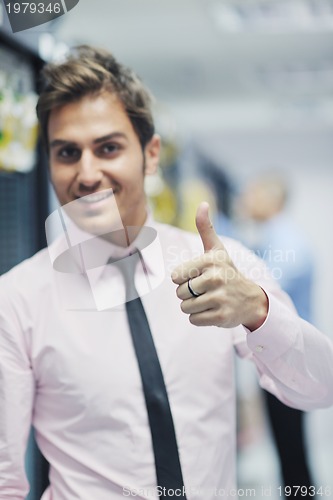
77	251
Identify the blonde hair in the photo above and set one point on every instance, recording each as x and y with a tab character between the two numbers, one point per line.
91	71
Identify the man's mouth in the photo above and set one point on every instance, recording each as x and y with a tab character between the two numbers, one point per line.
96	197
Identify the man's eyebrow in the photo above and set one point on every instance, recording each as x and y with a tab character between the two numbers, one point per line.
60	142
63	142
113	135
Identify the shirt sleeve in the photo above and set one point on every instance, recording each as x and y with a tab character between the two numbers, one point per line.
16	400
293	358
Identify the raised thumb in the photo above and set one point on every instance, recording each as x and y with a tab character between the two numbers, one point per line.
206	229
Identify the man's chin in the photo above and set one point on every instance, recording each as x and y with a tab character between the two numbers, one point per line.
96	217
97	227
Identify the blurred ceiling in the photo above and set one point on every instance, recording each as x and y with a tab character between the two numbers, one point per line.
215	49
237	77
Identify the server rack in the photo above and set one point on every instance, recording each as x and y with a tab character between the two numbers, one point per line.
23	209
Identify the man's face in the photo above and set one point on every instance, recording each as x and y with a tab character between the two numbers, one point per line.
93	147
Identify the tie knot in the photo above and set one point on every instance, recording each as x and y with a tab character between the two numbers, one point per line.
127	266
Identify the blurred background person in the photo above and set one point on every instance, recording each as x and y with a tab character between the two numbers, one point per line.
279	240
270	231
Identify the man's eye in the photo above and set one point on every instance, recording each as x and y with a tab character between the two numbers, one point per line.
69	153
109	148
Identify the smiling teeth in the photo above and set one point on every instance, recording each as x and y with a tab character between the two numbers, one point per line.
95	197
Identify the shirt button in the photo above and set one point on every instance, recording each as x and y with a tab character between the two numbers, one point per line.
259	348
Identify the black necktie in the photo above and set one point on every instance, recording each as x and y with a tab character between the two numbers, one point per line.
167	464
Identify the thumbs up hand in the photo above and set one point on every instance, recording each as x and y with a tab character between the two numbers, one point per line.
212	290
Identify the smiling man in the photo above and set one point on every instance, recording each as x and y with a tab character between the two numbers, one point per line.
138	399
93	147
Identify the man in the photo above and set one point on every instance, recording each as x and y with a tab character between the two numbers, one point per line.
70	360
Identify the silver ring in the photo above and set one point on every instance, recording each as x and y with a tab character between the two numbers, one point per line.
192	292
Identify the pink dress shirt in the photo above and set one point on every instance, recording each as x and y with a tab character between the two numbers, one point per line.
67	366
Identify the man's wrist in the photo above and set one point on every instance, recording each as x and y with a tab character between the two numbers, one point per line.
258	307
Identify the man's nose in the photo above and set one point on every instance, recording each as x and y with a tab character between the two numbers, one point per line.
89	172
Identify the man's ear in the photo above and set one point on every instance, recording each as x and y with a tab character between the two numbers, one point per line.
152	154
